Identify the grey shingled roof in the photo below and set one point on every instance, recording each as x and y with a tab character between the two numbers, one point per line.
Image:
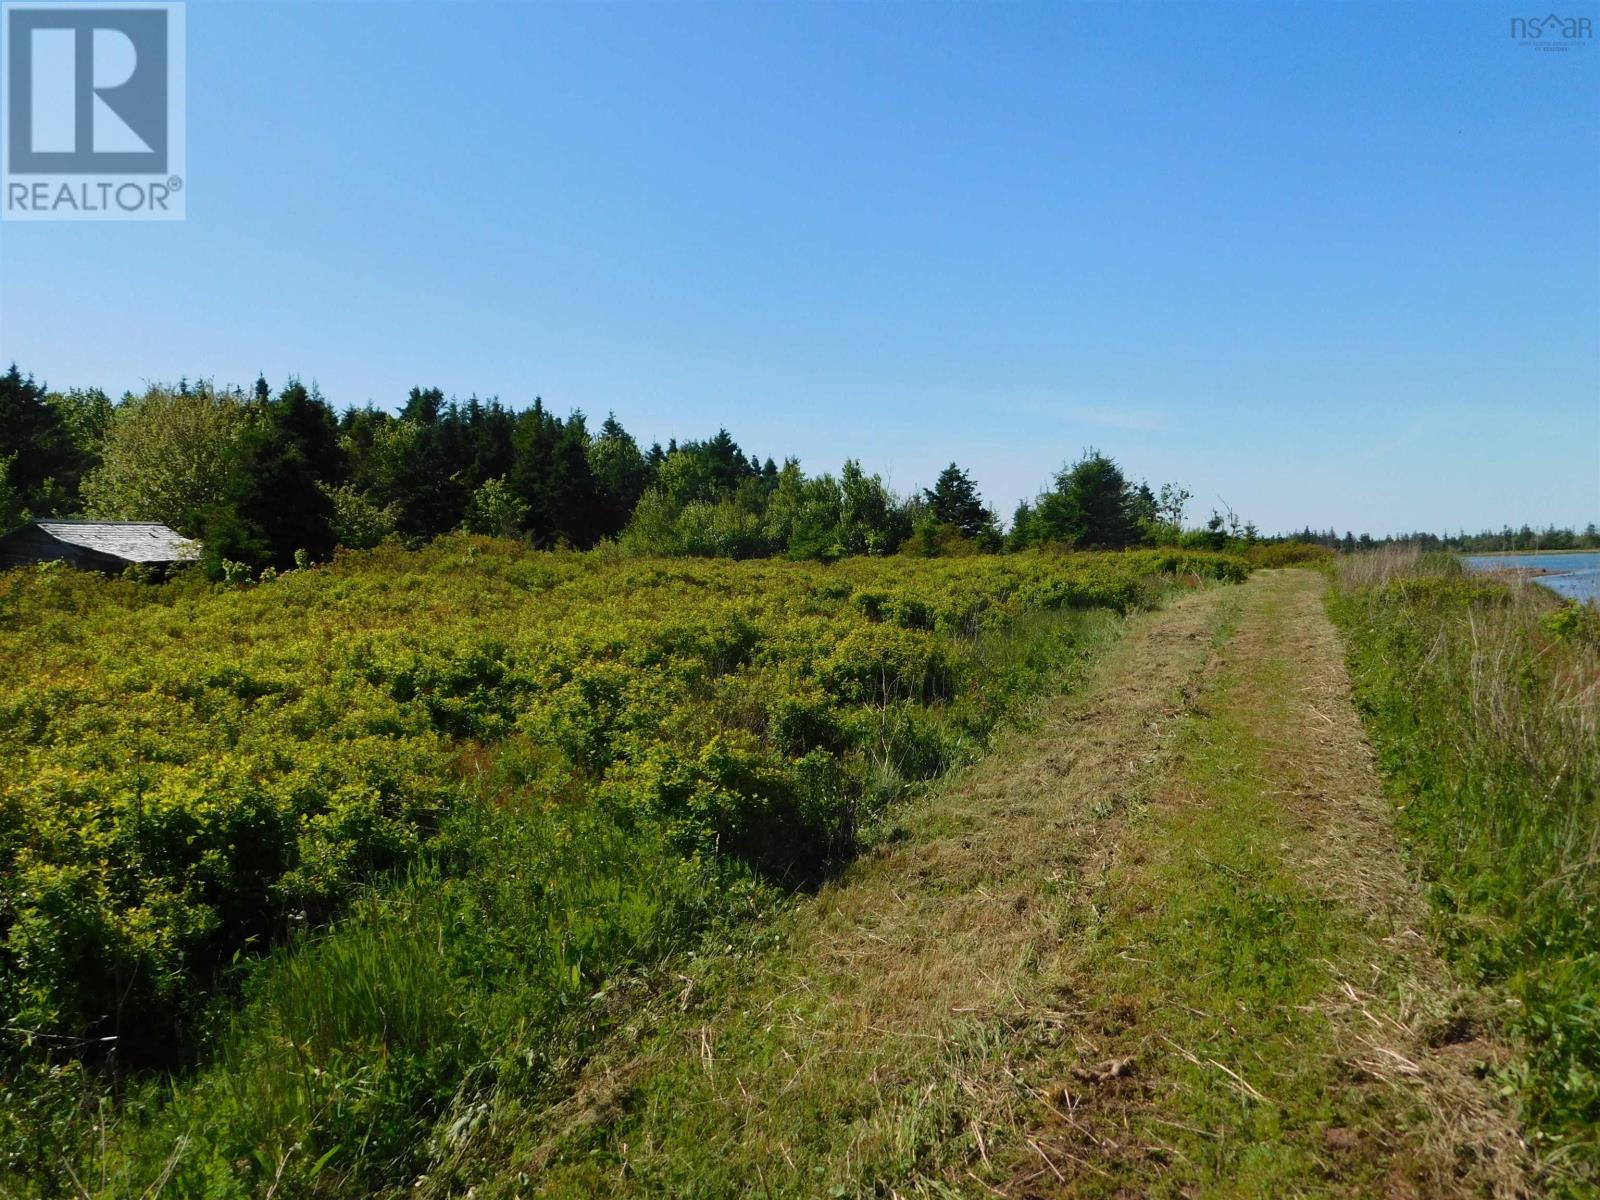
132	541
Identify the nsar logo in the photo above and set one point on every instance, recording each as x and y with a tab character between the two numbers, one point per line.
1552	32
93	112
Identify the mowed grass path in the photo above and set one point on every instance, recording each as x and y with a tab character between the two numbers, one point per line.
1159	944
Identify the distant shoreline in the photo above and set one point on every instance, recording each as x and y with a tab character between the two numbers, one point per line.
1505	553
1573	580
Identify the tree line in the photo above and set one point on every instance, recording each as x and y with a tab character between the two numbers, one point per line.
266	479
261	477
1487	541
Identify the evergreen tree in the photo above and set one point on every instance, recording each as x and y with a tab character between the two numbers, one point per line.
276	500
1022	533
954	500
306	420
423	405
415	462
46	466
486	440
1091	506
725	462
574	497
1143	507
551	475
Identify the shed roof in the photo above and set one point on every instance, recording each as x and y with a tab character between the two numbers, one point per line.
132	541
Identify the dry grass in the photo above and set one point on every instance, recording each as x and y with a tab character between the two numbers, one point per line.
1380	566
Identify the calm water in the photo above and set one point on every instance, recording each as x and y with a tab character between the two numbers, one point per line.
1574	573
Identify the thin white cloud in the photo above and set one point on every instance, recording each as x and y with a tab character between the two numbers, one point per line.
1127	417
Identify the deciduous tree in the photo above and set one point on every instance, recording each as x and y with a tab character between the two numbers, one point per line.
168	455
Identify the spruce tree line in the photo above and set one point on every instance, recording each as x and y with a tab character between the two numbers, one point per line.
268	479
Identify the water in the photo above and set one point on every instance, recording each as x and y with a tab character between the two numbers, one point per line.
1573	573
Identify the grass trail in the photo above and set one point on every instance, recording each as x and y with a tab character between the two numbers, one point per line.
1160	944
1255	961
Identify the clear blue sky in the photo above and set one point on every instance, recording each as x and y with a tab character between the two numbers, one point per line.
1333	263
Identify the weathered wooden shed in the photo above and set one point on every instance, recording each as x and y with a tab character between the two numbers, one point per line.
96	545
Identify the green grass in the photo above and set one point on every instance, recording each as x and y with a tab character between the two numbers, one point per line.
360	1054
897	1037
641	1023
1207	961
188	775
356	1053
762	1067
1483	702
563	992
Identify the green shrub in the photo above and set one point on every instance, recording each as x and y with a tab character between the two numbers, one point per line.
1578	624
1287	554
422	806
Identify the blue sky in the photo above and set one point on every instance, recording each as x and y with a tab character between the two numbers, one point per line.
1330	263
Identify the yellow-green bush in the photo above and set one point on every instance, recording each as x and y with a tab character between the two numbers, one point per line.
189	775
1287	554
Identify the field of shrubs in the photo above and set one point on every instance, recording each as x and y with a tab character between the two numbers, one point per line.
299	877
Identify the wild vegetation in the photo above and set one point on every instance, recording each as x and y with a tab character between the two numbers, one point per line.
317	864
1159	944
1483	701
466	790
267	480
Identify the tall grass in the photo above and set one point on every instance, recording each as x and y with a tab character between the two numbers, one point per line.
362	1054
1483	700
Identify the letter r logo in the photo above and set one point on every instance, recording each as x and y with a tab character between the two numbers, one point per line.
86	89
